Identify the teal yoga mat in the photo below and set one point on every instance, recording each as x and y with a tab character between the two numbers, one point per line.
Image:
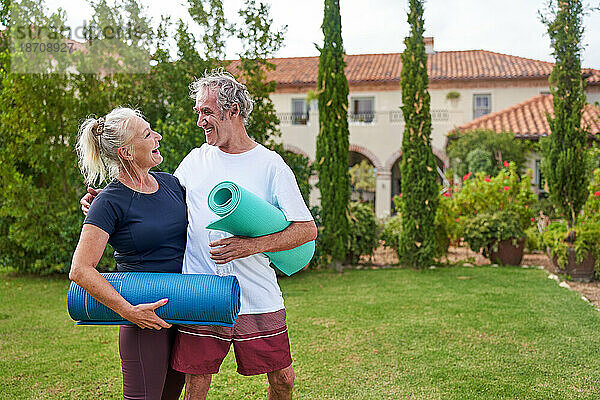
245	214
193	298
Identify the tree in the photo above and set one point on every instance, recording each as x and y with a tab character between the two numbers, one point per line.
499	147
39	215
178	124
4	7
332	141
420	198
259	43
566	161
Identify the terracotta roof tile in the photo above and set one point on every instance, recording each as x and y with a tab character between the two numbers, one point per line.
528	119
443	65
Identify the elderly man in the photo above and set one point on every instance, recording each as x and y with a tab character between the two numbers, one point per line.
259	337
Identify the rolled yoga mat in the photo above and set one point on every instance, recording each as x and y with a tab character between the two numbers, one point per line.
196	299
245	214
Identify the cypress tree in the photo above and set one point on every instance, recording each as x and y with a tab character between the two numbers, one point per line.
565	163
332	141
418	168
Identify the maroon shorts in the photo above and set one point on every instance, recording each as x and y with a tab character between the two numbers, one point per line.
260	343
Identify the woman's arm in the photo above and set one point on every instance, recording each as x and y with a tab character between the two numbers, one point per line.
83	272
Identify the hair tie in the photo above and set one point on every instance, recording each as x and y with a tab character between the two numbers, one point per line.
99	128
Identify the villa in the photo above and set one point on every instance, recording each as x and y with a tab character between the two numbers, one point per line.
465	87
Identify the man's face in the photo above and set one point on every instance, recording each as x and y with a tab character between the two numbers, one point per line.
216	124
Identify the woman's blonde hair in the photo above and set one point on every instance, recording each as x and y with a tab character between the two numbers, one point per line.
98	142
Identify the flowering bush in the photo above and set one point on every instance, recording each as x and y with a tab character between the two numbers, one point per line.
591	209
504	192
494	208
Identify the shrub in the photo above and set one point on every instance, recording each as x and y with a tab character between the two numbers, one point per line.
498	146
479	160
452	95
484	231
391	232
482	194
583	238
534	239
495	209
591	208
585	234
317	259
446	226
363	235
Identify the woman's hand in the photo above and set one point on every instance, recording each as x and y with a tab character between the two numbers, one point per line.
143	315
83	272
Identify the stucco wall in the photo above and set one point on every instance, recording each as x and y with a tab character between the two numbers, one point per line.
383	136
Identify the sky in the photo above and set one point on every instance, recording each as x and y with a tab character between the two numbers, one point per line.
379	26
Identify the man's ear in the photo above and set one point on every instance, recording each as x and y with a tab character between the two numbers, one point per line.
125	153
235	110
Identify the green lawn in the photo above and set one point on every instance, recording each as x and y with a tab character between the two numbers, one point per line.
447	333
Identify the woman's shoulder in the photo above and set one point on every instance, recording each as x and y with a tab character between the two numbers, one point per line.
113	199
165	177
170	180
113	191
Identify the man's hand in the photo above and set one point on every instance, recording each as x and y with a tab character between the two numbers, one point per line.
225	250
234	247
87	199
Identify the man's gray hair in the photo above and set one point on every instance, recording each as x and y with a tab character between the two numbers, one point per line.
229	91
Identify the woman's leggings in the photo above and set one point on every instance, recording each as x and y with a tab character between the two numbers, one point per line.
145	355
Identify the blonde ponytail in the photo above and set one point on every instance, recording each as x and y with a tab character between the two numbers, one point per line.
98	142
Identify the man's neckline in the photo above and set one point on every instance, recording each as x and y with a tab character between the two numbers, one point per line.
256	145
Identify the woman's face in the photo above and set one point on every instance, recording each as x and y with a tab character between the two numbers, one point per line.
144	145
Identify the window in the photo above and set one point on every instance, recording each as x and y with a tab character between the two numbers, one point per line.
482	105
363	109
539	178
300	111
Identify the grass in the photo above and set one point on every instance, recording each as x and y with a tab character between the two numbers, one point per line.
447	333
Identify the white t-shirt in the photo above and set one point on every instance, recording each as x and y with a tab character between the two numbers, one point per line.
262	172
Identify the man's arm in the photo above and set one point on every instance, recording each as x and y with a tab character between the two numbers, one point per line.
236	247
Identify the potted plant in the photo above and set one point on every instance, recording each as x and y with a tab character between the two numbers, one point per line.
496	212
576	251
453	96
498	236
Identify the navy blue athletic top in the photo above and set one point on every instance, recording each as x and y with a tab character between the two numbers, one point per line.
147	231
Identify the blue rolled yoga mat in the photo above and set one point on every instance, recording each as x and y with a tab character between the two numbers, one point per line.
197	299
245	214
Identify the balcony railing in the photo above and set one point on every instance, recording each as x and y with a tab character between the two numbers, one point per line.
362	118
293	118
368	118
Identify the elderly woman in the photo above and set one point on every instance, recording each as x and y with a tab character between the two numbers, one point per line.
142	214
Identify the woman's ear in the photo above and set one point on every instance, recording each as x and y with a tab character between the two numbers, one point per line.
125	153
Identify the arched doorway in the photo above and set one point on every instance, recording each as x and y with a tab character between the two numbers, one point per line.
394	166
362	177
